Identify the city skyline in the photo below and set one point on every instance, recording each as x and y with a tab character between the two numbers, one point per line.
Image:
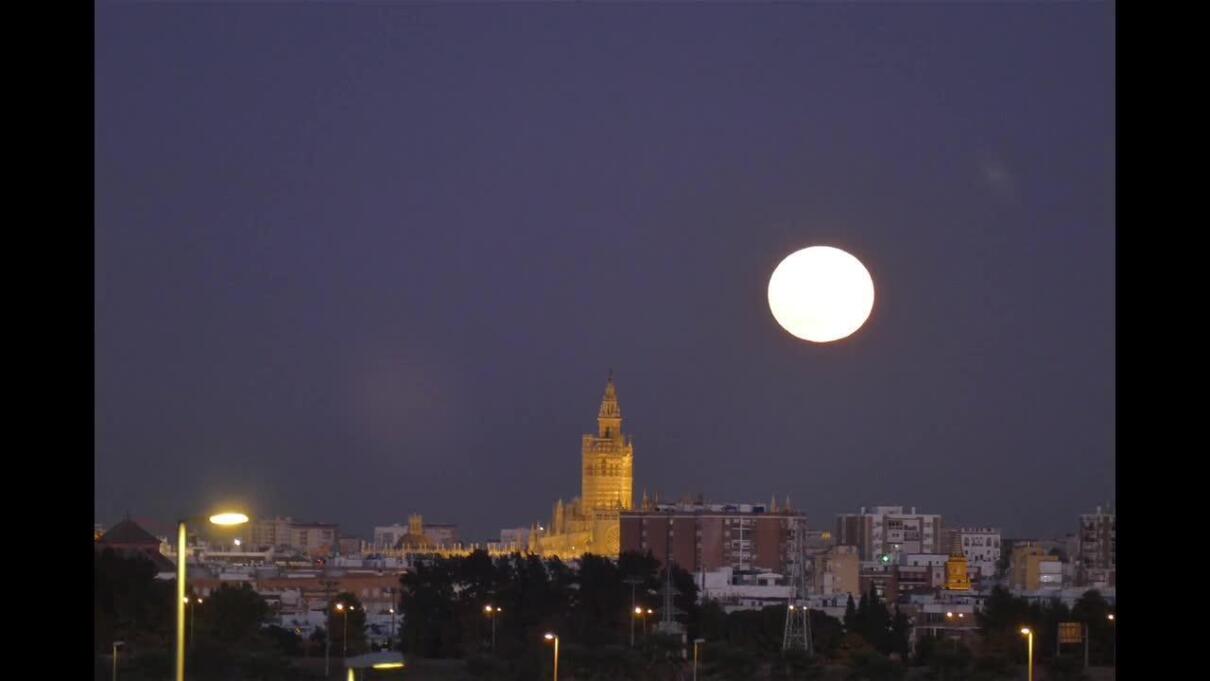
358	262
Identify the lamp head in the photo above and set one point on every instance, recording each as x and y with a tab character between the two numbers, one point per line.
229	518
549	636
1026	631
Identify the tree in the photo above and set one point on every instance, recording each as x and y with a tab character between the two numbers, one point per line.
873	666
946	659
901	629
232	615
130	604
1093	610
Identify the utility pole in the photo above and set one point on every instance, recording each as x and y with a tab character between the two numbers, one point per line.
797	632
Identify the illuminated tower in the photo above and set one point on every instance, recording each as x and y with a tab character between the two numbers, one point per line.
956	575
607	482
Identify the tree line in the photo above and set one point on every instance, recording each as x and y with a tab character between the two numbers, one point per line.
591	606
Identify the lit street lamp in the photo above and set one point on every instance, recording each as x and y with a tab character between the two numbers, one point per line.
554	637
192	612
696	642
491	615
1030	634
1113	620
391	637
344	646
222	519
116	645
641	613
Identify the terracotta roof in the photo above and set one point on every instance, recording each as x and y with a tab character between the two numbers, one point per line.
128	532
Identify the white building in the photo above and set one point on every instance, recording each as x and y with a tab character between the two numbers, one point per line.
744	590
889	531
387	536
516	537
1096	564
981	546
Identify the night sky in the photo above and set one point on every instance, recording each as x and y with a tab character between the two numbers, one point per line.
358	261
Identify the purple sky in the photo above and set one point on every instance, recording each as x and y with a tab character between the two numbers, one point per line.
364	260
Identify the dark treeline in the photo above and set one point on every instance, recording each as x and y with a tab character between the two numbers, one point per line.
229	640
591	608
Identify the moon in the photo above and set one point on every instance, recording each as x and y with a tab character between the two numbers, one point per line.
821	294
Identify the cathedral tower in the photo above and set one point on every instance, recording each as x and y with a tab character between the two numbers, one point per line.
607	482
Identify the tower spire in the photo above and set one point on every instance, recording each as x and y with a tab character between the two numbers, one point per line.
609	416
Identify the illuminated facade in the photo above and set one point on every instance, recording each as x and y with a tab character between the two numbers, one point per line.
589	524
957	577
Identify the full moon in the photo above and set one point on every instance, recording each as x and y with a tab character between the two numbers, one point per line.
821	294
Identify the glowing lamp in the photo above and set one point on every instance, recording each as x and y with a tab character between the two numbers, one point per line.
229	518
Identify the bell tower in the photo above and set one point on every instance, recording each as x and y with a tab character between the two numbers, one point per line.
607	482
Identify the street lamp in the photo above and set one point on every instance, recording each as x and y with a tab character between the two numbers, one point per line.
696	642
192	612
491	615
640	612
1113	620
1030	634
554	637
116	645
227	519
344	646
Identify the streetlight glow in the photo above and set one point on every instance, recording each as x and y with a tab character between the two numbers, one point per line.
229	518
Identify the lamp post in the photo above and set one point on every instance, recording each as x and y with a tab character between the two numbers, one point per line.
491	615
633	582
554	637
192	612
1030	635
696	642
344	645
116	645
1113	620
223	519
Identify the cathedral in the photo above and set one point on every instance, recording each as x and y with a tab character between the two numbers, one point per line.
590	524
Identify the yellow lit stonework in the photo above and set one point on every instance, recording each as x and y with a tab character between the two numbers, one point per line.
590	524
956	576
